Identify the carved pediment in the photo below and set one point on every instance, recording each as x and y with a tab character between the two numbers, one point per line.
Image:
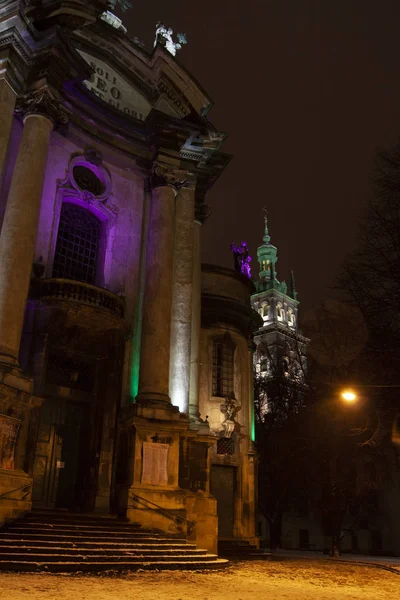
134	81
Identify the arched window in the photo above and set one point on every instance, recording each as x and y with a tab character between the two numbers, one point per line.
223	353
265	311
78	242
264	364
285	366
279	311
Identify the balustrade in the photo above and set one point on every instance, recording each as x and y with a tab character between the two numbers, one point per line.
78	291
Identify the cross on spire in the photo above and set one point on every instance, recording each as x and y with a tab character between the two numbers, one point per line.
267	237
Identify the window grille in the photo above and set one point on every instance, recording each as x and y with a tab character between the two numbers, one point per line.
77	248
226	446
223	350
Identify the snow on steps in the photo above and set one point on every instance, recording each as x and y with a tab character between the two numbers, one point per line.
56	542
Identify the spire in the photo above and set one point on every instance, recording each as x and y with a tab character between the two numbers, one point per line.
293	292
267	237
267	255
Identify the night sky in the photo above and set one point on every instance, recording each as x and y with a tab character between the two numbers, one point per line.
307	91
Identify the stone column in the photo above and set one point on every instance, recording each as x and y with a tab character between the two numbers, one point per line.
7	105
196	325
157	305
181	320
18	234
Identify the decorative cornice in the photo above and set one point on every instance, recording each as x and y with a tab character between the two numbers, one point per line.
43	102
70	14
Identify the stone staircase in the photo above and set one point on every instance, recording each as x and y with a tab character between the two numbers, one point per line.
237	549
59	542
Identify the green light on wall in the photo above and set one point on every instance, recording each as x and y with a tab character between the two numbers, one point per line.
253	426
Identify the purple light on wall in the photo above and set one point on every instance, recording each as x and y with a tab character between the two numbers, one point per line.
242	258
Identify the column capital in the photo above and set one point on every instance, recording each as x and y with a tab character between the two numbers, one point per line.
165	174
42	102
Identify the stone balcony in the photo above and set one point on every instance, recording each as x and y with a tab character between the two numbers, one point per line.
85	304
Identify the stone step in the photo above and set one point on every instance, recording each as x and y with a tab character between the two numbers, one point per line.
76	567
235	548
62	558
73	544
117	551
77	532
145	537
62	542
68	517
84	525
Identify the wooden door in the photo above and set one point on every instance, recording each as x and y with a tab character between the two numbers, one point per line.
223	487
57	454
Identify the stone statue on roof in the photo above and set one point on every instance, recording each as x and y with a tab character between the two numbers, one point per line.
124	4
164	37
242	259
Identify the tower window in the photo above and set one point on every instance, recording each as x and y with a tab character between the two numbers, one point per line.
77	248
285	367
279	311
265	311
223	352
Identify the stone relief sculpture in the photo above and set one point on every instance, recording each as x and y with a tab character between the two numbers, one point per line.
230	408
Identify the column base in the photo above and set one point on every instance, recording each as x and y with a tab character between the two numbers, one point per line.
155	406
202	513
12	376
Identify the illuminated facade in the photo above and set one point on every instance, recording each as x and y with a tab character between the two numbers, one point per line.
106	155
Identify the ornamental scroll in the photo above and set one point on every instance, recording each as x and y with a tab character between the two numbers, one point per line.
155	463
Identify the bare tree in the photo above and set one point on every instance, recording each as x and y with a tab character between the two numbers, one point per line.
371	274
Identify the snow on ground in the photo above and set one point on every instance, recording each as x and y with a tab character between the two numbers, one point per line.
252	580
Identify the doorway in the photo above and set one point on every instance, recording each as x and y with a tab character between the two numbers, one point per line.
57	467
223	488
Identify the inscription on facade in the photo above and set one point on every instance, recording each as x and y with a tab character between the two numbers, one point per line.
155	463
110	87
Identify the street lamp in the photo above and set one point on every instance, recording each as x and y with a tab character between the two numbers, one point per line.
348	396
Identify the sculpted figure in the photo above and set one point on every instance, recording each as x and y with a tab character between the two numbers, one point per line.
242	258
124	4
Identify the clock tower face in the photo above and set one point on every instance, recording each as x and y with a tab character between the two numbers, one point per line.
109	86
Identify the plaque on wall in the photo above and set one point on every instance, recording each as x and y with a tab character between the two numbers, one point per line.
9	428
155	463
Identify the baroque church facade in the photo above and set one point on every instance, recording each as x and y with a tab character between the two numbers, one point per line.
125	365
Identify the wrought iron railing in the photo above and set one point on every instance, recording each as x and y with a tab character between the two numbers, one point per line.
78	291
24	489
178	522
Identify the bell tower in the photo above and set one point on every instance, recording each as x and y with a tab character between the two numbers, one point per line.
280	357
